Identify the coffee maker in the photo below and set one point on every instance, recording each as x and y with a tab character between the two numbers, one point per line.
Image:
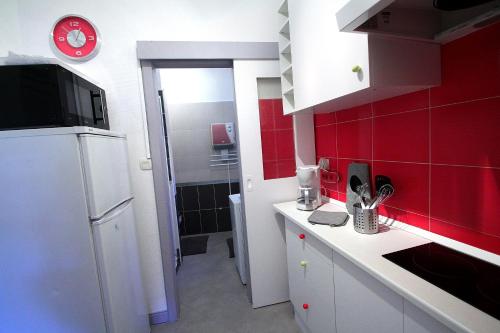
309	192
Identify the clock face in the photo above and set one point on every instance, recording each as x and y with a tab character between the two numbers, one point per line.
75	38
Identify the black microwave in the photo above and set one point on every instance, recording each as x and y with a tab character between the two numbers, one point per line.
37	96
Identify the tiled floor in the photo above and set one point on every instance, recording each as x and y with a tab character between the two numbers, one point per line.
214	300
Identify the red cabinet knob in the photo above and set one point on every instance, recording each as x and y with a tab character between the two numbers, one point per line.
305	306
302	236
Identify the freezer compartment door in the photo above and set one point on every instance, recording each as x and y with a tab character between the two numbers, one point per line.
119	269
105	164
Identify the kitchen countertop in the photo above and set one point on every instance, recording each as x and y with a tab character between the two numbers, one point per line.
366	252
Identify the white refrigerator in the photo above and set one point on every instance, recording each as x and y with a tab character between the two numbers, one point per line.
69	259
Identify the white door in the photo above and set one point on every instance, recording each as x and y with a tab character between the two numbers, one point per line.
118	263
268	278
106	172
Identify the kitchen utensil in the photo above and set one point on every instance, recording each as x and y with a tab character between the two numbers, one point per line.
381	180
384	193
361	171
358	188
365	220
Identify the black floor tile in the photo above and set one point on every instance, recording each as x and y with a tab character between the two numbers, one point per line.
190	198
208	221
206	196
223	219
192	223
221	195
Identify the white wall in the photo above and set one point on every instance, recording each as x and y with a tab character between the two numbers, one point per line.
197	85
121	23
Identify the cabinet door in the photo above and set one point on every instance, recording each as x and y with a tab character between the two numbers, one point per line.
323	57
320	316
362	303
417	321
295	247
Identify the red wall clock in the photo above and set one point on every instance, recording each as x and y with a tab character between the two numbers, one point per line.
75	37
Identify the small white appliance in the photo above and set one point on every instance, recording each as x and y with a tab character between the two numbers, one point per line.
238	236
309	192
68	246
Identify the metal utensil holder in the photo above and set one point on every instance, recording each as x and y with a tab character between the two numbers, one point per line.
365	220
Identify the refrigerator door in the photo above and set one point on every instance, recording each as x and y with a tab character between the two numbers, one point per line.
118	263
105	164
48	273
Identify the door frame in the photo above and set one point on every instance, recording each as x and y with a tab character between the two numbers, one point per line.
153	55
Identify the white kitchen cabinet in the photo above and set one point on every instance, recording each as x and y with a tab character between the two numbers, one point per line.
310	270
363	304
417	321
333	70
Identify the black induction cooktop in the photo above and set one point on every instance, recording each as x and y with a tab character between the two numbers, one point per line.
472	280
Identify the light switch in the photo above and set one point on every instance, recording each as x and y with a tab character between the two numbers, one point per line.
145	164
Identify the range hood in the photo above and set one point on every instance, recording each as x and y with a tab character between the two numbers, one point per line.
439	21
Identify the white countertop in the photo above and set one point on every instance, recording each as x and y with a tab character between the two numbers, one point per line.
366	252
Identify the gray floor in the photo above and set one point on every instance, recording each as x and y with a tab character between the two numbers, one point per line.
214	300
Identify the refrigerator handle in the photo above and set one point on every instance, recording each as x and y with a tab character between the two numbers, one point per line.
113	213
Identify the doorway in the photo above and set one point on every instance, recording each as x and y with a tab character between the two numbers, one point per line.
265	223
200	127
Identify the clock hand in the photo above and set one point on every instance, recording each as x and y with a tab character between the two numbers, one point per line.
78	35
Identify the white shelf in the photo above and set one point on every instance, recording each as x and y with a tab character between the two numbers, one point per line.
288	71
283	9
288	91
285	29
287	48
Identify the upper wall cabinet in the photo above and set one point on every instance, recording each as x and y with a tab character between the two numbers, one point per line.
331	70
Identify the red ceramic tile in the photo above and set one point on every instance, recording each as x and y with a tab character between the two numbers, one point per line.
343	165
411	183
329	193
358	112
268	141
325	140
354	139
402	137
468	236
324	119
415	220
270	170
408	102
266	114
467	133
278	106
466	196
286	168
470	68
281	121
285	145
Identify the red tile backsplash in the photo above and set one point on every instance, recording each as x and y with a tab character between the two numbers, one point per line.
476	137
438	145
276	133
354	139
469	68
355	113
397	137
325	141
408	102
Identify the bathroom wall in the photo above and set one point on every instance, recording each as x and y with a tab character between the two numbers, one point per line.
439	145
195	98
